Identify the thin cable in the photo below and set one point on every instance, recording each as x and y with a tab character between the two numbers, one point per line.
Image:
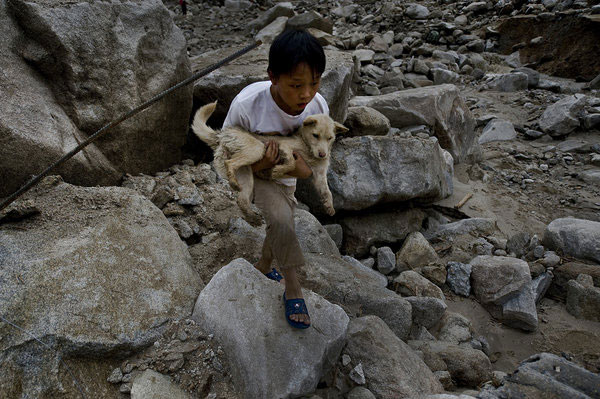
123	117
52	349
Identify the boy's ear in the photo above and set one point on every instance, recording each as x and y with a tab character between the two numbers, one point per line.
272	77
339	128
309	121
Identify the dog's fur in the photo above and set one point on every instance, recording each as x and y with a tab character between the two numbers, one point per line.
236	149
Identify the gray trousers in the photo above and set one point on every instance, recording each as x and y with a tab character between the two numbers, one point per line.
277	204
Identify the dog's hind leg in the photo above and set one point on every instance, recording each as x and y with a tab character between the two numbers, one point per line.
250	155
244	200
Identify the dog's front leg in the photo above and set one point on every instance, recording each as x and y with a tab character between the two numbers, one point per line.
320	181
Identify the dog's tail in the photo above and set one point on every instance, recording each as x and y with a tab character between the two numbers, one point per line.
201	129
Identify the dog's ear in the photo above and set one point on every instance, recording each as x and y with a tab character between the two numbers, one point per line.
339	128
309	121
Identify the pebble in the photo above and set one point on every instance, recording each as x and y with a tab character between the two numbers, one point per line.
357	375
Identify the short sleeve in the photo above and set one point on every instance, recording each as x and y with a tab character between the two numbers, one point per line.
236	116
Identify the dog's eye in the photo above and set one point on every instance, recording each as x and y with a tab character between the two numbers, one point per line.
315	136
331	138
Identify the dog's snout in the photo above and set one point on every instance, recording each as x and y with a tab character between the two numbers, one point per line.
322	154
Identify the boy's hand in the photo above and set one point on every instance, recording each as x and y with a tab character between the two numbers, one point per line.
302	171
270	159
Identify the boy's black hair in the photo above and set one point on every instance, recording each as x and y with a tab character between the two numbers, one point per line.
293	47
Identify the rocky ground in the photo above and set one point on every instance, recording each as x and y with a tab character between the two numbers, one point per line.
410	294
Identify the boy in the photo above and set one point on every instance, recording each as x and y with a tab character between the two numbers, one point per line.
296	62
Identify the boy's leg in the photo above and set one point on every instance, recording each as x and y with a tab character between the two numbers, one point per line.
277	204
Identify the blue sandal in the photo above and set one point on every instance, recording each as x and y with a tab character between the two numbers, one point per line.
274	275
295	306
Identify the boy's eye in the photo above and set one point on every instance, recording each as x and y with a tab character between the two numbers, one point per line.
296	86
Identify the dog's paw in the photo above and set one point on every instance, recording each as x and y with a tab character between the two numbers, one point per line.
253	217
234	185
330	210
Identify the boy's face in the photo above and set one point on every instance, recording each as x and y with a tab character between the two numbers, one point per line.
293	91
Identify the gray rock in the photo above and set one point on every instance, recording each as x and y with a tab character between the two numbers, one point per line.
468	367
378	44
411	283
364	121
237	5
415	252
439	107
478	6
270	32
100	272
508	81
541	284
420	66
284	9
533	76
239	294
426	311
574	237
310	19
583	299
455	328
533	134
386	260
369	170
513	60
416	11
591	121
591	177
546	375
150	384
562	117
476	226
336	233
497	279
312	235
391	368
517	243
382	280
595	83
357	374
520	311
498	130
52	40
345	11
364	56
458	278
441	76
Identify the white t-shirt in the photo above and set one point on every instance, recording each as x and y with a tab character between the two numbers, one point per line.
255	110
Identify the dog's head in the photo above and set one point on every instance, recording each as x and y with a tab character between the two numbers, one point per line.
318	132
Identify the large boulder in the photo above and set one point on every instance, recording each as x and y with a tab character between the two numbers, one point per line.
226	82
439	107
370	170
99	271
574	237
87	75
544	376
269	358
392	369
325	272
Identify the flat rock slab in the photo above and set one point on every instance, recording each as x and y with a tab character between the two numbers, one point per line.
99	270
439	107
562	117
497	279
269	358
498	130
574	237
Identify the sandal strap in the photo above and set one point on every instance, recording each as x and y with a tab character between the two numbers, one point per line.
274	275
295	306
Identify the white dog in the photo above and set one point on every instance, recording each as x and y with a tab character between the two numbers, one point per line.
236	149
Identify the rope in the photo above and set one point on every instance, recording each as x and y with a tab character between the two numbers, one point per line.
122	118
